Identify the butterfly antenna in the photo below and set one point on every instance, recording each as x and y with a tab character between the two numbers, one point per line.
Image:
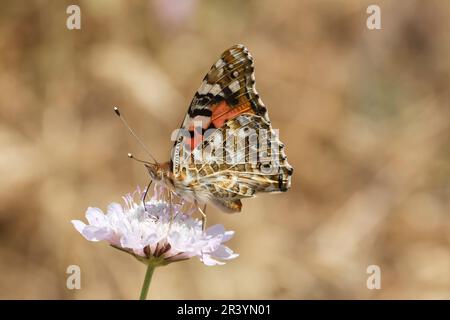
117	112
139	160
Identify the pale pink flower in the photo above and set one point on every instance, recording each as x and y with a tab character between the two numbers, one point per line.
161	233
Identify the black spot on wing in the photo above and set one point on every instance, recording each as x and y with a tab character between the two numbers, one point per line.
200	112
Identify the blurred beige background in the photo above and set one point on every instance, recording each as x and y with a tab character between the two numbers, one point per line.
364	115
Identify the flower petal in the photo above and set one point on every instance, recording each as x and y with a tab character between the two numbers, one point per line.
95	217
210	261
130	241
94	233
227	236
215	230
115	208
223	252
79	225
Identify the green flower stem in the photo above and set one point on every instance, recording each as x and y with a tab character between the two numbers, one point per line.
148	278
151	263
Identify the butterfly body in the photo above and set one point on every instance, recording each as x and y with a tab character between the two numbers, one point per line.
226	149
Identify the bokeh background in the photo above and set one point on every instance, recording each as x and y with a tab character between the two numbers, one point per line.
364	115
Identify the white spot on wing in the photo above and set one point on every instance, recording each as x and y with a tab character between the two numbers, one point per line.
234	86
204	88
215	90
220	63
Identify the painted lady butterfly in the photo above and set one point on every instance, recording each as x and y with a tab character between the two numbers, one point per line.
226	149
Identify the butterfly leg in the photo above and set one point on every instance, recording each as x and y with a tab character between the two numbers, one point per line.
203	213
171	210
145	195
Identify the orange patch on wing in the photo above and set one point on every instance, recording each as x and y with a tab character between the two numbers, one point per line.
222	112
196	140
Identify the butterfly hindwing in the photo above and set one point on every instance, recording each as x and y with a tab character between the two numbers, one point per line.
239	168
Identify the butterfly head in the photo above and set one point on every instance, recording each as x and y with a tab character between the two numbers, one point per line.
157	171
154	171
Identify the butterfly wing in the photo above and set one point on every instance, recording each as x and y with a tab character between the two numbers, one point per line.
225	108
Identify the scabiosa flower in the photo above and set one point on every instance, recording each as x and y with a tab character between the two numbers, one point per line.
159	234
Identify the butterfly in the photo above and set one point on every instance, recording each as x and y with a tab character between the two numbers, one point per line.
226	149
